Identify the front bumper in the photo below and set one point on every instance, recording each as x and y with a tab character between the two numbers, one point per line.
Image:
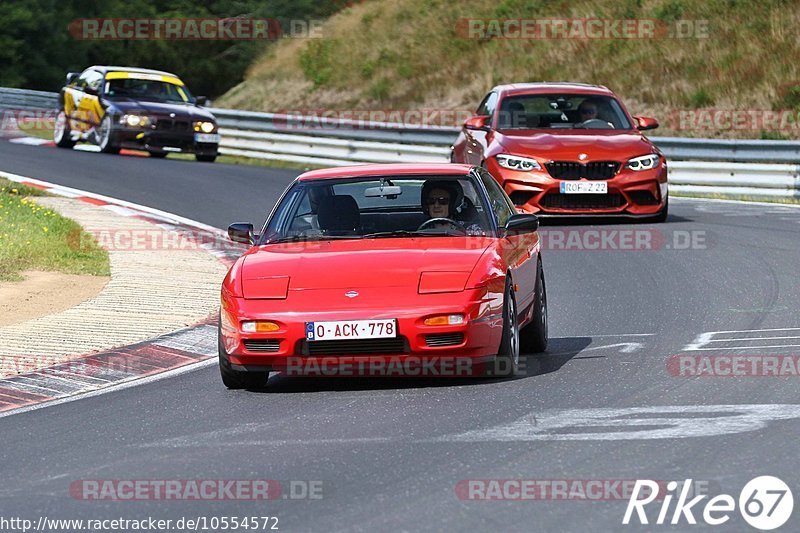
166	141
630	194
476	340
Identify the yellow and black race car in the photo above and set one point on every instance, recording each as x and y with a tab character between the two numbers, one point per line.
140	109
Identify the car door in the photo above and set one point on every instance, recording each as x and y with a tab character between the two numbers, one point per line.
476	140
519	252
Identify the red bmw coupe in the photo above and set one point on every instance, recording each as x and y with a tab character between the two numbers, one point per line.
567	149
367	269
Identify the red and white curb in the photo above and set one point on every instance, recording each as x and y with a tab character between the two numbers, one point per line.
110	370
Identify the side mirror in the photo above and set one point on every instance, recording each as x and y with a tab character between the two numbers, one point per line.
201	100
478	122
241	232
526	223
646	123
71	77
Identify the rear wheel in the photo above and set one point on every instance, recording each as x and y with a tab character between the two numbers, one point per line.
533	336
237	379
104	136
205	158
507	361
62	134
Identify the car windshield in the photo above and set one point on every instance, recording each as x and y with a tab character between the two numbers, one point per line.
380	208
561	111
153	90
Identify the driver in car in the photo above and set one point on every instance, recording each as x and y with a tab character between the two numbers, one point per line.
587	110
439	201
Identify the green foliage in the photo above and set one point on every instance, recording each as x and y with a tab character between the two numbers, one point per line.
316	61
34	237
700	98
37	49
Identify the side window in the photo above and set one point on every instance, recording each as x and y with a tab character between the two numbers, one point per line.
501	206
488	105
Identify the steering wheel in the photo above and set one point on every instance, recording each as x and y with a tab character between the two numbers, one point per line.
441	220
596	124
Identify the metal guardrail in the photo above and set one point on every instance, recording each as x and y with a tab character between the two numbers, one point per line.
741	167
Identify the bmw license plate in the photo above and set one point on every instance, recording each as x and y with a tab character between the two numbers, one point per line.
206	137
584	187
351	329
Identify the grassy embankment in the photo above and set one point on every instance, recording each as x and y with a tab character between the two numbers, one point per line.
412	54
33	237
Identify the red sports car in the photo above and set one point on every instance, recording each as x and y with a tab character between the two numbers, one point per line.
384	270
567	149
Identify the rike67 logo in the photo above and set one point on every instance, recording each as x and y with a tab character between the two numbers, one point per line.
765	503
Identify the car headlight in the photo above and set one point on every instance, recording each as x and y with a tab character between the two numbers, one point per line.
205	127
513	162
135	121
645	162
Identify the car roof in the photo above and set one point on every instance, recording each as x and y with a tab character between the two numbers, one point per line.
544	87
396	169
106	68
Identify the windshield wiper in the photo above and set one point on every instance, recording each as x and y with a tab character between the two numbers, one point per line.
407	233
309	238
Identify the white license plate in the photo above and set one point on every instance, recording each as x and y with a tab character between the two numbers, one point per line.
206	137
584	187
351	329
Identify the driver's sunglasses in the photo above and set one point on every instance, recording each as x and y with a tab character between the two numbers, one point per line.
441	200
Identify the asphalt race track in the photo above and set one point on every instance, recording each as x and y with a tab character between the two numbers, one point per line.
718	279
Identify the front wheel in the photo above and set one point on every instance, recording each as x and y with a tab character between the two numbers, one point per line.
237	379
104	136
507	361
662	215
534	335
205	158
62	134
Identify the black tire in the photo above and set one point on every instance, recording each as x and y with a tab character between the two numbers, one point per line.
104	135
663	214
62	134
507	360
158	155
237	379
205	158
533	337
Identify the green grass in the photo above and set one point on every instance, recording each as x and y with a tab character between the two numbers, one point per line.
253	161
33	237
740	197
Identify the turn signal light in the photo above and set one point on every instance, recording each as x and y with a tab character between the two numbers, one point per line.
444	320
259	327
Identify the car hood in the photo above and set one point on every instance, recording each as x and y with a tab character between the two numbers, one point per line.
353	264
597	145
191	111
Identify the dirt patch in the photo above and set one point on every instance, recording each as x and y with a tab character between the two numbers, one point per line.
45	293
